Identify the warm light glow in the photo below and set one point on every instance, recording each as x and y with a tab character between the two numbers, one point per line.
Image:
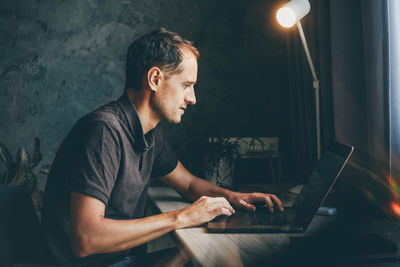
286	17
293	11
395	208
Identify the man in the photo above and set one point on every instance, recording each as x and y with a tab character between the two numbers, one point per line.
97	188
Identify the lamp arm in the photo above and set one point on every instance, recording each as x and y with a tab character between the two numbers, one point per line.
316	87
308	55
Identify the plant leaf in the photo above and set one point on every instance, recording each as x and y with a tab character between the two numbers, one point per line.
45	169
29	181
5	156
22	160
36	156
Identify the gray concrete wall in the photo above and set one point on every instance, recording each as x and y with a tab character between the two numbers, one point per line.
61	59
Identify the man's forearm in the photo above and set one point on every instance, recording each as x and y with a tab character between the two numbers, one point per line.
200	187
108	235
192	187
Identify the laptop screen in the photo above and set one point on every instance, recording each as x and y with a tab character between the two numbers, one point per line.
320	182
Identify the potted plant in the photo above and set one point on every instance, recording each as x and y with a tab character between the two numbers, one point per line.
21	172
220	156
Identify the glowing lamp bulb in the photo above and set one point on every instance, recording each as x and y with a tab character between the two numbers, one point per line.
286	17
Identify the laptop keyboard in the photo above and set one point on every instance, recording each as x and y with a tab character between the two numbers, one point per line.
265	217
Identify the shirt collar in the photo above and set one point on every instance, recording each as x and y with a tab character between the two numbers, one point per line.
142	142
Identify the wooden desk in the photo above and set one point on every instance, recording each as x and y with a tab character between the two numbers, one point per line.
225	249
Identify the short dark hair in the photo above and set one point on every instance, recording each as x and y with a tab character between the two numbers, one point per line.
159	48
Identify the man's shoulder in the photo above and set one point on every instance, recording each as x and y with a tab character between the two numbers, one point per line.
109	115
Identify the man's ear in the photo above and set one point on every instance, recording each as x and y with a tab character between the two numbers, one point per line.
154	78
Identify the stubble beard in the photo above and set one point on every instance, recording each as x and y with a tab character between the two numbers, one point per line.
164	113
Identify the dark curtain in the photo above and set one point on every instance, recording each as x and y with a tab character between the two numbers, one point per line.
360	79
301	100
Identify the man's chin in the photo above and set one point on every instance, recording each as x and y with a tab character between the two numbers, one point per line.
174	120
177	121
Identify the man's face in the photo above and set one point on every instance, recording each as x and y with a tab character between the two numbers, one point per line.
177	90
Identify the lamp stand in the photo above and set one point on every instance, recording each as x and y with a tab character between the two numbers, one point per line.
316	87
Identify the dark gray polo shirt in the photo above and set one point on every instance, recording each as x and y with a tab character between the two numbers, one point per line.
105	156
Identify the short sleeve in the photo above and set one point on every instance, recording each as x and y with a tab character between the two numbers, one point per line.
97	160
165	160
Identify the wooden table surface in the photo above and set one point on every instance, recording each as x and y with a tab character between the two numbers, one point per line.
215	249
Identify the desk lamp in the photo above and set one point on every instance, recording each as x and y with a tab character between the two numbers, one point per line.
287	16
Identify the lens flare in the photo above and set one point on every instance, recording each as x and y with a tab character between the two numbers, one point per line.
286	17
395	208
395	188
382	188
370	196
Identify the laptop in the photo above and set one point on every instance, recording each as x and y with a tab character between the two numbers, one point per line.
299	216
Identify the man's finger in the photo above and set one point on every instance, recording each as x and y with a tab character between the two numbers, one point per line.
277	201
222	202
257	197
228	205
225	211
247	206
267	198
269	202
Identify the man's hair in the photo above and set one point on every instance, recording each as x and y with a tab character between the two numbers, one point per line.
159	48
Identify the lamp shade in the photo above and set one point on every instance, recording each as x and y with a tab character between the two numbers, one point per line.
293	11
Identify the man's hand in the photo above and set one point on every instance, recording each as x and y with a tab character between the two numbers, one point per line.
204	210
246	200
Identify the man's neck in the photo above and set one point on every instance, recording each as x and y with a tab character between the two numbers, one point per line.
141	101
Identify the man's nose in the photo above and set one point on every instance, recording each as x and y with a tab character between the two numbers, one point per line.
190	97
